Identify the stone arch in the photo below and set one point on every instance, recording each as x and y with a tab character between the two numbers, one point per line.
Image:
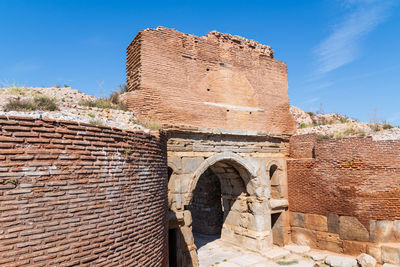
246	170
245	217
173	166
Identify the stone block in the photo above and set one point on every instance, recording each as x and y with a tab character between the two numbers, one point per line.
189	165
331	237
396	230
175	163
297	219
257	207
278	203
234	218
354	248
365	260
385	231
304	237
333	223
187	239
256	222
240	205
316	222
183	183
330	246
187	218
341	261
375	251
317	256
329	241
351	229
391	253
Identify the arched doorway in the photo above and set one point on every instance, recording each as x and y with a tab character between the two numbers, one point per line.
223	204
206	208
218	200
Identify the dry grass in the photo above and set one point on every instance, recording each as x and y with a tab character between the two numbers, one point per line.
38	103
149	125
112	102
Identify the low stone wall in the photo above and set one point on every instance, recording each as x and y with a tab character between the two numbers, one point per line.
344	195
73	194
345	234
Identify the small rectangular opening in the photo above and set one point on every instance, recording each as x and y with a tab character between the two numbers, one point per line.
274	218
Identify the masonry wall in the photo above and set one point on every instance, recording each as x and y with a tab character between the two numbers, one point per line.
214	143
214	81
77	194
344	195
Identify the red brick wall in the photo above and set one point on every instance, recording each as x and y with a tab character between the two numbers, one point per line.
302	146
351	176
74	194
172	76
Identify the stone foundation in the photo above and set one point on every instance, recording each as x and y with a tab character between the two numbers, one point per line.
345	234
344	195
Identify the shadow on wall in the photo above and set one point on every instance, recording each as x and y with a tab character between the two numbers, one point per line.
178	248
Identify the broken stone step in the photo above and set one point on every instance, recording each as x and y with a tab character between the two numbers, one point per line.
340	261
317	256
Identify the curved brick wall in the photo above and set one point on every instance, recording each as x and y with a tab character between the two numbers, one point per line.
75	194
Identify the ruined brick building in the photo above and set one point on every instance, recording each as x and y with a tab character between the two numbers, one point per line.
225	163
223	101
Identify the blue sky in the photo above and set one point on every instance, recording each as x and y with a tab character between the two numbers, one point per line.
342	56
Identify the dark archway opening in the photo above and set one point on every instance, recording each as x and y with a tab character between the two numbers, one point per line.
218	200
206	209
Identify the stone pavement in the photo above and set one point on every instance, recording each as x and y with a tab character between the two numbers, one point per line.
216	253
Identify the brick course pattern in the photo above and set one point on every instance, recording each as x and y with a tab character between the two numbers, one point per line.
77	194
214	81
352	176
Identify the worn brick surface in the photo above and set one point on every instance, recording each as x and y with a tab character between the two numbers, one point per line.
75	194
356	177
172	77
